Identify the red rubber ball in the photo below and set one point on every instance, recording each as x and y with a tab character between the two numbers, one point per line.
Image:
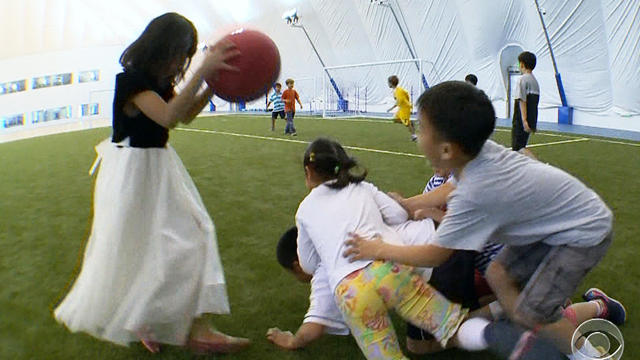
258	64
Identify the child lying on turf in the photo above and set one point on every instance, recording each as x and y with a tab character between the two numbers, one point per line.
339	202
323	315
454	280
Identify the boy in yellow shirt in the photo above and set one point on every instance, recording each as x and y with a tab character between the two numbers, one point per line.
403	102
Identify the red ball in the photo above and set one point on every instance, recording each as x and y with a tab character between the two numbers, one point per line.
258	64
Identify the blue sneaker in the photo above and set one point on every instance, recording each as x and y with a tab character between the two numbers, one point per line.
615	312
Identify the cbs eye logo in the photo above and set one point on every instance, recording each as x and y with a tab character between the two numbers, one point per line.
605	339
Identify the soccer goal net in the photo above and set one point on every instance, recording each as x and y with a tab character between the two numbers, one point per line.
362	90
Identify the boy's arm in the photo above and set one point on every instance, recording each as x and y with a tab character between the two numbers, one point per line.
433	199
414	255
393	107
468	225
432	213
523	113
522	96
298	98
306	334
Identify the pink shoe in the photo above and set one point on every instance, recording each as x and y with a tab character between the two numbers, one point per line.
145	337
152	346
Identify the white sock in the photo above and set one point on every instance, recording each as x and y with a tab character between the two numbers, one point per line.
587	352
496	310
600	307
470	335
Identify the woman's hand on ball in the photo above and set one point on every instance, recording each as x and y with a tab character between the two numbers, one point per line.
217	57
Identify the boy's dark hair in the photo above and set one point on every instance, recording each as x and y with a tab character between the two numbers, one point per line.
472	79
393	80
289	81
528	59
287	250
329	160
168	39
277	84
460	113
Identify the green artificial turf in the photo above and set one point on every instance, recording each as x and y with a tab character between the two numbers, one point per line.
251	187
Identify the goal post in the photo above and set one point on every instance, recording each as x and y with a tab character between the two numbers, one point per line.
364	88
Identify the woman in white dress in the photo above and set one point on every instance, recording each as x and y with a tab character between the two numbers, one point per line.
151	268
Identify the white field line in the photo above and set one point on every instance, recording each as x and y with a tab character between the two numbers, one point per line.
389	121
558	142
356	148
543	133
616	142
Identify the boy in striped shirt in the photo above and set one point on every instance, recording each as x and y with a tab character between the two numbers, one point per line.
278	105
490	249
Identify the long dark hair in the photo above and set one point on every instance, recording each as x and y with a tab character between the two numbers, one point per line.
164	49
328	160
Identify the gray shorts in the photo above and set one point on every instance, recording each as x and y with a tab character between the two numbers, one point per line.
548	275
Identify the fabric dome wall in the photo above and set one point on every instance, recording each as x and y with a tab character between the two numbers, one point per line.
596	42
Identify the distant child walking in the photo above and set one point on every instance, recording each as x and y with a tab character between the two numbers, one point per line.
290	96
278	105
403	103
151	268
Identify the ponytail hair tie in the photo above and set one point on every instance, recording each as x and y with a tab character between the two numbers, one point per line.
312	157
336	169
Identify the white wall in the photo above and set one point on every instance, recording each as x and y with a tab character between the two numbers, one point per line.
75	94
596	42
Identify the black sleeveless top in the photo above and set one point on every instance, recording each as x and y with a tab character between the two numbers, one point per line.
141	131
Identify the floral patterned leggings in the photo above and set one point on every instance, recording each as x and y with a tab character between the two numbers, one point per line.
365	296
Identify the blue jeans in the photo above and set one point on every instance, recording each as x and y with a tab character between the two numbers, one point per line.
289	128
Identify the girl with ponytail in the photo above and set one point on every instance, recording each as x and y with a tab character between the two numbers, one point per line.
340	203
330	162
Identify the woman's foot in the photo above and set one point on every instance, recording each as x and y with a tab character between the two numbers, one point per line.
212	341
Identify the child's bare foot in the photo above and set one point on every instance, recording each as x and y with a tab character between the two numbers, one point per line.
203	341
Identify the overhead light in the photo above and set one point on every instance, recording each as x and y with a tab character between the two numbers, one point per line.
291	16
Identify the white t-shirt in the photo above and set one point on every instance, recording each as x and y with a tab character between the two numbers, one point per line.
322	305
514	200
527	84
327	216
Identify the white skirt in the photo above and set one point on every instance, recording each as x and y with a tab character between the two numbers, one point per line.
151	264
